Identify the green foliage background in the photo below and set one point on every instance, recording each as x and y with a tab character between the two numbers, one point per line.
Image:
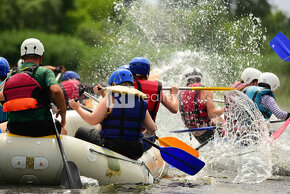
82	34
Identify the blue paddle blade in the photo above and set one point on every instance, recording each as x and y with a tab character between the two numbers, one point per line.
181	160
281	45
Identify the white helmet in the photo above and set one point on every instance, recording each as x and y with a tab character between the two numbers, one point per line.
271	79
250	74
191	73
32	46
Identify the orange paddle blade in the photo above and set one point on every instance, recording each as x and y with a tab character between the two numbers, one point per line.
174	142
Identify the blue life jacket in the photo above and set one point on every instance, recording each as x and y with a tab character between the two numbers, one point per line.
3	116
255	93
125	123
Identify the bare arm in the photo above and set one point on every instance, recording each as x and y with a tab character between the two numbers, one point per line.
212	111
2	96
97	116
58	98
171	103
149	125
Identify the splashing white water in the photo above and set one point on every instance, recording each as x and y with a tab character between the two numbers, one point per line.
244	148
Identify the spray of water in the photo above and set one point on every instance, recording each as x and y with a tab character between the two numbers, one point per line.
244	147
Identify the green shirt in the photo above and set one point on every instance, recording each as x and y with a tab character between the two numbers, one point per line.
45	77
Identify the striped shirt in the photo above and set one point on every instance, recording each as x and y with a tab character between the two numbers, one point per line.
268	102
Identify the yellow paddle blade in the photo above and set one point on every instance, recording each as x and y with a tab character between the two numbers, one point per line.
174	142
202	88
125	90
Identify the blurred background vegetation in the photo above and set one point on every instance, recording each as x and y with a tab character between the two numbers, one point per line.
77	33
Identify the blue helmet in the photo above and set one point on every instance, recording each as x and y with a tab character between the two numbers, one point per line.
4	66
121	75
125	67
70	75
140	65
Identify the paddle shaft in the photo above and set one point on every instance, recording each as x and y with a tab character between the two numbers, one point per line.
91	96
58	76
201	88
277	121
2	84
203	144
72	184
195	129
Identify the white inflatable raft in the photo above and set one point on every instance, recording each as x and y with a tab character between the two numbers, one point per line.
28	160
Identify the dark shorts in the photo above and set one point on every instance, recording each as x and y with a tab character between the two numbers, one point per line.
33	129
131	148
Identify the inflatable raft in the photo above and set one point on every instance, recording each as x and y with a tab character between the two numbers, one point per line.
28	160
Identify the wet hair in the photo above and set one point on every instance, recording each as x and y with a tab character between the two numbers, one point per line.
126	84
193	80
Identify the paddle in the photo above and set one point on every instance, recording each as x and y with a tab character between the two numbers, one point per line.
279	131
202	88
281	45
194	129
2	84
174	142
58	76
277	121
179	159
218	100
70	176
210	128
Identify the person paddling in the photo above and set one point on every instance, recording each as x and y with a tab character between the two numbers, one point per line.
140	68
249	77
27	93
263	96
72	87
121	121
4	69
196	107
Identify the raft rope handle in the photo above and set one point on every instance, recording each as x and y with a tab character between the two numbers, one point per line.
114	157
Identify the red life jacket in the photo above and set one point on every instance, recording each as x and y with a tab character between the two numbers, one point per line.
70	89
153	91
22	92
193	111
240	86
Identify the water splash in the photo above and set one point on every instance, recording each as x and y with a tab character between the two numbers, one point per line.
244	147
160	30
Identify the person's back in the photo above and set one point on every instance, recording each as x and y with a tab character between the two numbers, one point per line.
121	122
192	107
4	69
196	107
263	96
27	94
153	91
140	68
